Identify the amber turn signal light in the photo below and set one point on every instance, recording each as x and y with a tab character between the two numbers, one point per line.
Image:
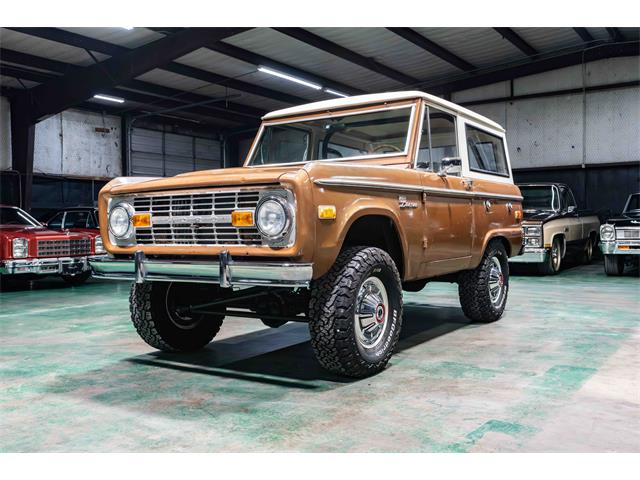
241	218
518	214
141	220
327	212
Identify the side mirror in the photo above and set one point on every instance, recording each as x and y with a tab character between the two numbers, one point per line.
571	208
450	166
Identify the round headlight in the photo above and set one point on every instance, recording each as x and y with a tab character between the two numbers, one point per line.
607	233
120	221
273	218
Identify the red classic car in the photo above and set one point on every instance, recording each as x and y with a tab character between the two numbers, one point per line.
29	249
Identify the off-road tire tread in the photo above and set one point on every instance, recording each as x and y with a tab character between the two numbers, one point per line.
473	288
332	318
142	317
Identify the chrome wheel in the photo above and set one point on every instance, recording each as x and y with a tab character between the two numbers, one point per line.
555	256
371	312
496	281
588	251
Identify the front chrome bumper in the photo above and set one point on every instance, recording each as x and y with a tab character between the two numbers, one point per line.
533	255
226	272
45	266
613	248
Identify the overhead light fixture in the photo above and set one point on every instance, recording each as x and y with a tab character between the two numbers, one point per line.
128	28
108	98
275	73
336	93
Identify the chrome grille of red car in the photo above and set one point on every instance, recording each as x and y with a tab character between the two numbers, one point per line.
64	247
197	218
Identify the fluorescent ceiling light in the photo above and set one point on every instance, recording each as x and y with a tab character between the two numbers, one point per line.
315	86
128	28
333	92
108	98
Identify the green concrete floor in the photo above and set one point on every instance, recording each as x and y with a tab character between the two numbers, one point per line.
559	372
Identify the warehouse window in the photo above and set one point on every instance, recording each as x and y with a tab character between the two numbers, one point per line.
486	152
438	139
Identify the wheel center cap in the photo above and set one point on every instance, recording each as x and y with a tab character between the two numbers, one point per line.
501	280
380	311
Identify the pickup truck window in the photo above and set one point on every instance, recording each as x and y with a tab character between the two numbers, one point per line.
438	139
56	221
540	198
360	135
486	152
633	204
76	219
15	216
567	198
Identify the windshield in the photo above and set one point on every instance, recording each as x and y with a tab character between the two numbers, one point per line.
15	216
359	135
633	204
539	198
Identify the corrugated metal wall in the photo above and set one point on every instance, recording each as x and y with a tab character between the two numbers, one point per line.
162	154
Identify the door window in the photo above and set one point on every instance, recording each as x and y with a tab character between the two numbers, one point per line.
438	139
486	152
76	220
56	221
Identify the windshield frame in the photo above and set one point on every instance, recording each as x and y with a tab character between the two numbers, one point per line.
32	221
626	205
555	197
338	113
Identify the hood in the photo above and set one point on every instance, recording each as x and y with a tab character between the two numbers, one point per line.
625	220
240	176
14	231
538	215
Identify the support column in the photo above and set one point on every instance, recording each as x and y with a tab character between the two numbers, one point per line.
22	141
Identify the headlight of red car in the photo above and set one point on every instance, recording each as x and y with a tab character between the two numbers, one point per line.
20	248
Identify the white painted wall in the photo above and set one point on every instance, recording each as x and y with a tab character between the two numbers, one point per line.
68	144
597	127
5	134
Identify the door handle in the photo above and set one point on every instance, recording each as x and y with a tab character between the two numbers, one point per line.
467	183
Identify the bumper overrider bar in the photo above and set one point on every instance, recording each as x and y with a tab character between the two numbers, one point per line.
226	272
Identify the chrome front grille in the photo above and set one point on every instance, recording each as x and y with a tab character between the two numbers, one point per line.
66	247
197	218
628	236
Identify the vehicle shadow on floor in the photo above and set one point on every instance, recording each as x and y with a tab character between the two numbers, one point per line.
284	356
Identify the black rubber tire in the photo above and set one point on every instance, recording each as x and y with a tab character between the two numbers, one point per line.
473	287
332	312
77	279
587	255
148	303
549	267
613	265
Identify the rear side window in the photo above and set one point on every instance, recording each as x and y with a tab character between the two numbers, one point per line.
486	152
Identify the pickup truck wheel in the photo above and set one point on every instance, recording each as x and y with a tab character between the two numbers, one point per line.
588	251
613	265
355	312
160	313
483	291
554	259
77	279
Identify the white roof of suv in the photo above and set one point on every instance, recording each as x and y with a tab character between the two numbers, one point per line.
379	98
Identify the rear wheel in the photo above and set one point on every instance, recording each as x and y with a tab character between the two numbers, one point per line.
588	250
483	291
554	260
355	312
614	265
162	315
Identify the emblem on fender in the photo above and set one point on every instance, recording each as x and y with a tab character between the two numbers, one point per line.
404	203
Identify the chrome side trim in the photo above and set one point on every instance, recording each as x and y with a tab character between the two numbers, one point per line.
442	192
227	272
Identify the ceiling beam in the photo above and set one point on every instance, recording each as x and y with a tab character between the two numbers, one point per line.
339	51
517	41
147	100
80	41
61	93
260	60
33	61
584	34
432	47
615	34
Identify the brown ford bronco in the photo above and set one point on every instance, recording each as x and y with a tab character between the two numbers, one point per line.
340	206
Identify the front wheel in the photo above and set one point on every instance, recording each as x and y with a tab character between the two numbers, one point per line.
163	316
355	312
483	291
613	265
554	260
